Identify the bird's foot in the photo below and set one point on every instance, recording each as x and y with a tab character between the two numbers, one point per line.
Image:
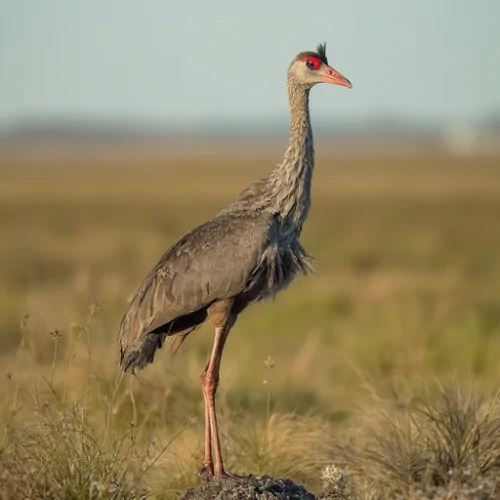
207	473
226	475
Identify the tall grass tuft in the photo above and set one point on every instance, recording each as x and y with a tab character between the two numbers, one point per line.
59	456
445	444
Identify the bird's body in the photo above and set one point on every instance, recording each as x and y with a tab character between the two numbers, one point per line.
248	252
248	263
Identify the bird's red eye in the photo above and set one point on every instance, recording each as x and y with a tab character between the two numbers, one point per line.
312	62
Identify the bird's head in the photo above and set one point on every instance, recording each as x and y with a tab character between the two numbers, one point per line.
310	68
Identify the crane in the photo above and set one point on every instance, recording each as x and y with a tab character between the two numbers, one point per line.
247	253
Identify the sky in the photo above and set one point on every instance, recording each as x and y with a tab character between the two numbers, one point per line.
157	62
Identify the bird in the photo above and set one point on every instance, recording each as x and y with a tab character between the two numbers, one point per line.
246	253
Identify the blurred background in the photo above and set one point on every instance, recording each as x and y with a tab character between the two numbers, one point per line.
124	124
423	73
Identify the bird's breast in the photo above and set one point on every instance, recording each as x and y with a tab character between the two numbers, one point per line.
280	264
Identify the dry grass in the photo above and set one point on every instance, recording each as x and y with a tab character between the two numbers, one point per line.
445	445
57	456
406	293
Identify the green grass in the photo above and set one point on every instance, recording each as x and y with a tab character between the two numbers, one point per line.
405	294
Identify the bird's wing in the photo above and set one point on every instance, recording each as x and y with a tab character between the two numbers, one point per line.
214	261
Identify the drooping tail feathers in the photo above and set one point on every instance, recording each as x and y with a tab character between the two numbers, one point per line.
135	358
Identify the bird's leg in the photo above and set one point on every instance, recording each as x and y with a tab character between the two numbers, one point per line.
208	462
211	383
221	318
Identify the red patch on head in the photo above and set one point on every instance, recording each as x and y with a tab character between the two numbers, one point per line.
314	62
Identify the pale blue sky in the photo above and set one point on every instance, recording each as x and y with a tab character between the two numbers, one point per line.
159	61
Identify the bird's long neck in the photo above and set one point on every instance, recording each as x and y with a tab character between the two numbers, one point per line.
290	182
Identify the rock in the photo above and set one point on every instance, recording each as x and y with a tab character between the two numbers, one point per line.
249	488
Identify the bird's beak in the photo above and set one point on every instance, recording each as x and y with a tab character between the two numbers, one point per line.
332	76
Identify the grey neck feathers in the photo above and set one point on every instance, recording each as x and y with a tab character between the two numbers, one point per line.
286	191
290	183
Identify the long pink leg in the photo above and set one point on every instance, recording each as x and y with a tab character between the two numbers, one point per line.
208	463
210	381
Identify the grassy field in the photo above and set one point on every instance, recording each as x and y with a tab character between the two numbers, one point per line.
406	298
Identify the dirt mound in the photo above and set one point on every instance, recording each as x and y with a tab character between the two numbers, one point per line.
249	488
335	487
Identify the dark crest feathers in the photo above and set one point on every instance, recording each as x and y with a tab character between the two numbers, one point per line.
321	50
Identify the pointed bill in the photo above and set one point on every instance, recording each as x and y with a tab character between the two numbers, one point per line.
332	76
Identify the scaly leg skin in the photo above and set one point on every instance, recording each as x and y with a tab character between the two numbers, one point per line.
221	318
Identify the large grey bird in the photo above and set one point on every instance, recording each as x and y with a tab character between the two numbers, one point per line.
246	253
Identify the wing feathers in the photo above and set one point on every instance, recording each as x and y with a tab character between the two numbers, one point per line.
212	262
